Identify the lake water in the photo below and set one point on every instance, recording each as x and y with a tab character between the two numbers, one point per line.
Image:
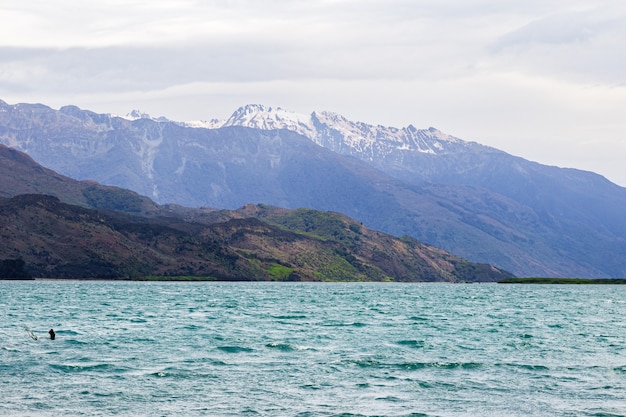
266	349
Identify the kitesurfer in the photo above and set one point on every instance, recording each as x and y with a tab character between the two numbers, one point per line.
52	334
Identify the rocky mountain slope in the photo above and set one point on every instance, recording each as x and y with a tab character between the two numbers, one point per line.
474	201
428	155
21	175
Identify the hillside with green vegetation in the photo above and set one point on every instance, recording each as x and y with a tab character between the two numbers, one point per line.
86	230
59	240
403	255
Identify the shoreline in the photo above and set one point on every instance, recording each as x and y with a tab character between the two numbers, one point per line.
564	281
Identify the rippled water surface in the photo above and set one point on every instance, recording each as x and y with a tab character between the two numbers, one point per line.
213	349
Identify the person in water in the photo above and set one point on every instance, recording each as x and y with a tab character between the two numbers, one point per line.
52	334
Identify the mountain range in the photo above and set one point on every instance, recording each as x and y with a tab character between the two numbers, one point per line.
54	226
472	200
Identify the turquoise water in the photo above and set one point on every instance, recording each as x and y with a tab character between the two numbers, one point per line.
264	349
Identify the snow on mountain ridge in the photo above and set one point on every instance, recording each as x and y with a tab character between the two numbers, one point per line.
203	124
136	114
336	132
331	130
197	124
269	118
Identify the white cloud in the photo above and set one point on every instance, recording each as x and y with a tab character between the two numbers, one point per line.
582	46
542	79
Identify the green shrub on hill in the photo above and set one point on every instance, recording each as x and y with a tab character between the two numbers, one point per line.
111	198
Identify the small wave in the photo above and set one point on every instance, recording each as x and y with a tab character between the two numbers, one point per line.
235	349
108	394
603	388
602	414
100	367
367	363
286	347
390	398
461	365
525	366
411	366
138	320
343	324
144	340
249	411
182	374
66	333
441	365
311	387
10	349
416	344
620	368
290	317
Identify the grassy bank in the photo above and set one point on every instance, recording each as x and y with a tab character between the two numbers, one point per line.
561	281
175	278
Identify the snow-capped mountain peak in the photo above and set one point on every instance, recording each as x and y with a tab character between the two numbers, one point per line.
269	118
336	132
136	115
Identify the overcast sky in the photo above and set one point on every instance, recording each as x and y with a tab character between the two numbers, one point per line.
542	79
